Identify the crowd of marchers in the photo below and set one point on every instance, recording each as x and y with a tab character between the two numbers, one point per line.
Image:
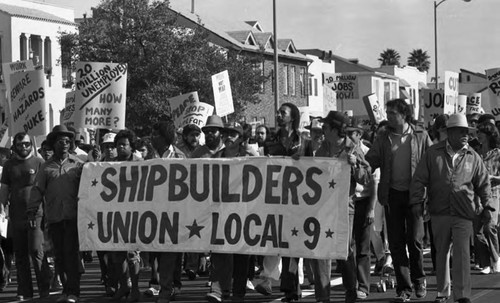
410	188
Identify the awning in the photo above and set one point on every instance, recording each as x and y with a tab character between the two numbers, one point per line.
403	94
403	83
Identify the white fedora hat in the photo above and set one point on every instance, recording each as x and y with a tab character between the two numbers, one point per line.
458	120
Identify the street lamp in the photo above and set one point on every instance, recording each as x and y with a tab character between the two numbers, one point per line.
436	4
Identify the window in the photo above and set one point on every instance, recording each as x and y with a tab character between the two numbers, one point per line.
292	81
285	80
302	77
315	87
310	86
47	54
23	47
468	78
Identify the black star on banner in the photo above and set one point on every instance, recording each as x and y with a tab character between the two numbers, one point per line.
295	232
194	229
91	225
332	184
329	233
94	182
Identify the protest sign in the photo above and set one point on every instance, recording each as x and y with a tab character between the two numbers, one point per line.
223	95
374	109
461	104
344	85
450	92
67	114
100	95
474	104
14	67
179	103
329	100
27	103
433	104
493	77
255	205
187	109
4	134
197	113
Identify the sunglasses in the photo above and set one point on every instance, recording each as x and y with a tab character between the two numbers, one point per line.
23	144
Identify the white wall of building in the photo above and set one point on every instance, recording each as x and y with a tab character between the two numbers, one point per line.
413	76
316	70
11	29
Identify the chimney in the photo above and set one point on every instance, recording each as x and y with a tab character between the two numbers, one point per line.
192	6
330	54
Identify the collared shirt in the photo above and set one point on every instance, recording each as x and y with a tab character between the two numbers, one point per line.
458	155
173	152
58	182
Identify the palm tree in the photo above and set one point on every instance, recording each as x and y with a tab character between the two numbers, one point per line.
419	59
389	57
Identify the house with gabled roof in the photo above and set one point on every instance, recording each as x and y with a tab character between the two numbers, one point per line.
368	81
249	38
29	30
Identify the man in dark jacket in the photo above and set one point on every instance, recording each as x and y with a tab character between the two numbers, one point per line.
397	152
453	174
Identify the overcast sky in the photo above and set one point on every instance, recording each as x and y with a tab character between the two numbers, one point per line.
468	33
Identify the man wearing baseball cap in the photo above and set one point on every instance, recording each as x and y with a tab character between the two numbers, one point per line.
453	174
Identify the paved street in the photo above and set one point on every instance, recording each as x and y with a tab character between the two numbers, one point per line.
486	288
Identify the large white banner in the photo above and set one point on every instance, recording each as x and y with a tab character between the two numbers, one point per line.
101	93
257	205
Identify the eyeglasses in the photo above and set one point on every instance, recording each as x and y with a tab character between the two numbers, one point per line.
23	144
63	142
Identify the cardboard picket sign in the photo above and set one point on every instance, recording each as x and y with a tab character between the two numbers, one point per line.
474	104
27	103
433	102
493	77
450	92
374	109
100	95
4	134
223	95
461	104
345	86
10	68
67	114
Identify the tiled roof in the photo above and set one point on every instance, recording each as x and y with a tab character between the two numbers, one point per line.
29	13
263	38
220	27
241	36
284	44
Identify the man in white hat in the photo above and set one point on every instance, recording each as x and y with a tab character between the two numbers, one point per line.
453	174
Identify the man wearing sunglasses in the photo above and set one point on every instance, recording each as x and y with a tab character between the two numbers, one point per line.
17	180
